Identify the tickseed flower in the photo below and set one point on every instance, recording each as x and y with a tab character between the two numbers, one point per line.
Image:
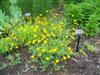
45	41
57	61
32	56
31	27
53	50
35	35
73	29
68	56
34	30
52	34
19	29
39	41
62	22
44	50
48	35
73	38
14	37
45	31
24	29
71	52
64	57
28	43
69	48
37	48
33	41
47	58
7	38
16	46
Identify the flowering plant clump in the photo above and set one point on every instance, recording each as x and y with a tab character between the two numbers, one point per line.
47	42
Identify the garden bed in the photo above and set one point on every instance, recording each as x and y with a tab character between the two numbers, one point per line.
87	66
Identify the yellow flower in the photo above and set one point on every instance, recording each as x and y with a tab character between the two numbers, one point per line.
14	37
19	29
68	56
37	48
32	56
48	34
47	58
73	29
16	46
54	28
28	43
39	41
71	52
53	50
24	29
57	61
64	57
73	33
73	38
52	34
34	30
33	41
69	48
44	50
35	35
31	27
45	41
45	31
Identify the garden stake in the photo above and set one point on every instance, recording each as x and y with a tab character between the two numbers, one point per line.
78	41
79	32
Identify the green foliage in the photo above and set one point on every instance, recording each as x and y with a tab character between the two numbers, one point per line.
92	27
14	60
15	11
11	60
3	19
74	1
89	47
87	15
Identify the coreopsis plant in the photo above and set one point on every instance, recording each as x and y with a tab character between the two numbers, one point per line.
47	42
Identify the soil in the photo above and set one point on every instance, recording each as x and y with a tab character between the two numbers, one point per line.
87	66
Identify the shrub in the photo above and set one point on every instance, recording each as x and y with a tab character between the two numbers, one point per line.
86	14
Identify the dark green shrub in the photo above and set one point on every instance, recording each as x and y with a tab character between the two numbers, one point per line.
86	14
